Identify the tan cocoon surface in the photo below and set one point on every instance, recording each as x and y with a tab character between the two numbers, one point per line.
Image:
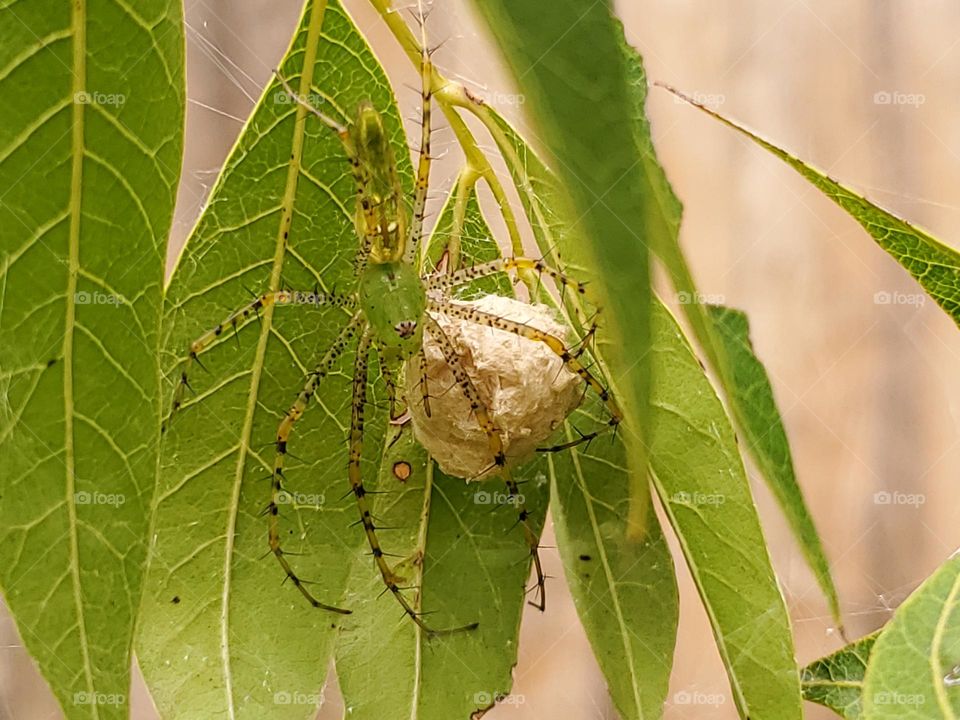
524	384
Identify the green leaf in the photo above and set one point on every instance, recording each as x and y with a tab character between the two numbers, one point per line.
90	148
565	61
934	265
618	584
466	554
914	668
700	479
725	548
742	376
220	633
468	559
625	590
753	406
624	583
836	681
699	458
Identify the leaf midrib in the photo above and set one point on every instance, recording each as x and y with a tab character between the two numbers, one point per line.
607	573
293	172
79	69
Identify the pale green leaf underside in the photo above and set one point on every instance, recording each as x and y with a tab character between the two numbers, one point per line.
694	453
836	681
473	568
701	481
569	66
220	633
625	591
934	265
90	145
914	668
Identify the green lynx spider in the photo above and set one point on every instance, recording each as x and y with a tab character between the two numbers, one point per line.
391	307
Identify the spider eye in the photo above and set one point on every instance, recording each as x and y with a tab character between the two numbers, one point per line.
406	328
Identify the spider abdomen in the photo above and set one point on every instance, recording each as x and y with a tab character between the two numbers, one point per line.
393	300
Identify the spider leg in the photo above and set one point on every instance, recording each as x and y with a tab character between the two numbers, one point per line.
423	164
443	283
390	379
482	415
390	579
235	322
448	281
424	382
283	435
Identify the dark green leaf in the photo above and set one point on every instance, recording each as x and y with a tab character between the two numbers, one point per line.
569	65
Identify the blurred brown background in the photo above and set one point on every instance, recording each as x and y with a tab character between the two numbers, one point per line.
865	90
